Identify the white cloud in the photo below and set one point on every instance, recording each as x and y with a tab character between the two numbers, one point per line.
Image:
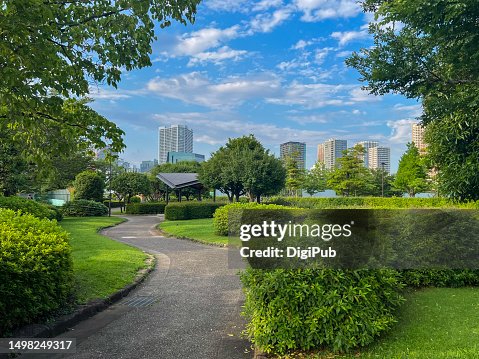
317	10
320	54
401	130
359	95
217	57
231	92
304	120
266	4
343	53
413	110
348	36
204	39
227	5
267	22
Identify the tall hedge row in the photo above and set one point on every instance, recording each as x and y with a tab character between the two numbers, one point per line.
35	268
369	202
145	208
191	210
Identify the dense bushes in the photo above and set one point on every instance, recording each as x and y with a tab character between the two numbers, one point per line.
233	211
35	268
89	185
369	202
84	208
319	308
114	204
37	209
145	208
190	210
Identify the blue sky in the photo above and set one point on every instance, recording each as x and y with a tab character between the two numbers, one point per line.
272	68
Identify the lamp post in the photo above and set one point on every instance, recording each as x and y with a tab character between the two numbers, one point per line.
382	178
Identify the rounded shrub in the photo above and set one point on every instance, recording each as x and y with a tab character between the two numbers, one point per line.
36	209
89	185
35	268
303	309
84	208
228	217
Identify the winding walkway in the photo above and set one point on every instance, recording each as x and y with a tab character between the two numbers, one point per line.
189	307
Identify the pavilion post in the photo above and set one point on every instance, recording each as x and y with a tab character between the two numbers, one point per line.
199	194
167	195
214	194
179	195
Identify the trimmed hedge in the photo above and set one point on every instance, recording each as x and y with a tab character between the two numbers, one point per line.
368	202
319	308
84	208
220	217
37	209
114	204
35	268
145	208
191	210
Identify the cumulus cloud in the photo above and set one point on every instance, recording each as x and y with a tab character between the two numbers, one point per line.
204	39
266	4
217	57
266	22
348	36
231	92
401	130
359	95
317	10
412	110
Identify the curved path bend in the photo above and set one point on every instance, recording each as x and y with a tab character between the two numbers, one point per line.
189	307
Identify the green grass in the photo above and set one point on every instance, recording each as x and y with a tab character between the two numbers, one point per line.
101	265
434	323
198	229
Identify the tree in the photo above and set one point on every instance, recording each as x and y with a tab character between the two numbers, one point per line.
52	51
412	173
431	57
350	177
316	178
294	176
89	185
129	184
241	167
380	180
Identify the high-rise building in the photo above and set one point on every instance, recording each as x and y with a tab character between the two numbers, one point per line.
418	137
175	157
333	149
320	153
366	145
380	158
146	166
176	138
295	150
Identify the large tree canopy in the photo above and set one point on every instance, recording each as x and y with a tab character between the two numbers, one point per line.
428	50
51	51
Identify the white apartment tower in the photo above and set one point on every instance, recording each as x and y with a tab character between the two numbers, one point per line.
333	149
367	145
176	138
380	158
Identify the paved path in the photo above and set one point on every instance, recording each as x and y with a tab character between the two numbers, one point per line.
189	307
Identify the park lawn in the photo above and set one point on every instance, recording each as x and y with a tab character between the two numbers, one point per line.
434	323
101	265
200	230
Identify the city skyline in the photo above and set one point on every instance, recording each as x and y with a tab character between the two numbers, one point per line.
271	68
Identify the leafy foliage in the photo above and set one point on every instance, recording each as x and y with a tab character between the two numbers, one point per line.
32	207
228	218
294	175
35	268
190	210
241	167
319	308
84	208
431	57
315	180
129	184
350	177
411	174
89	185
